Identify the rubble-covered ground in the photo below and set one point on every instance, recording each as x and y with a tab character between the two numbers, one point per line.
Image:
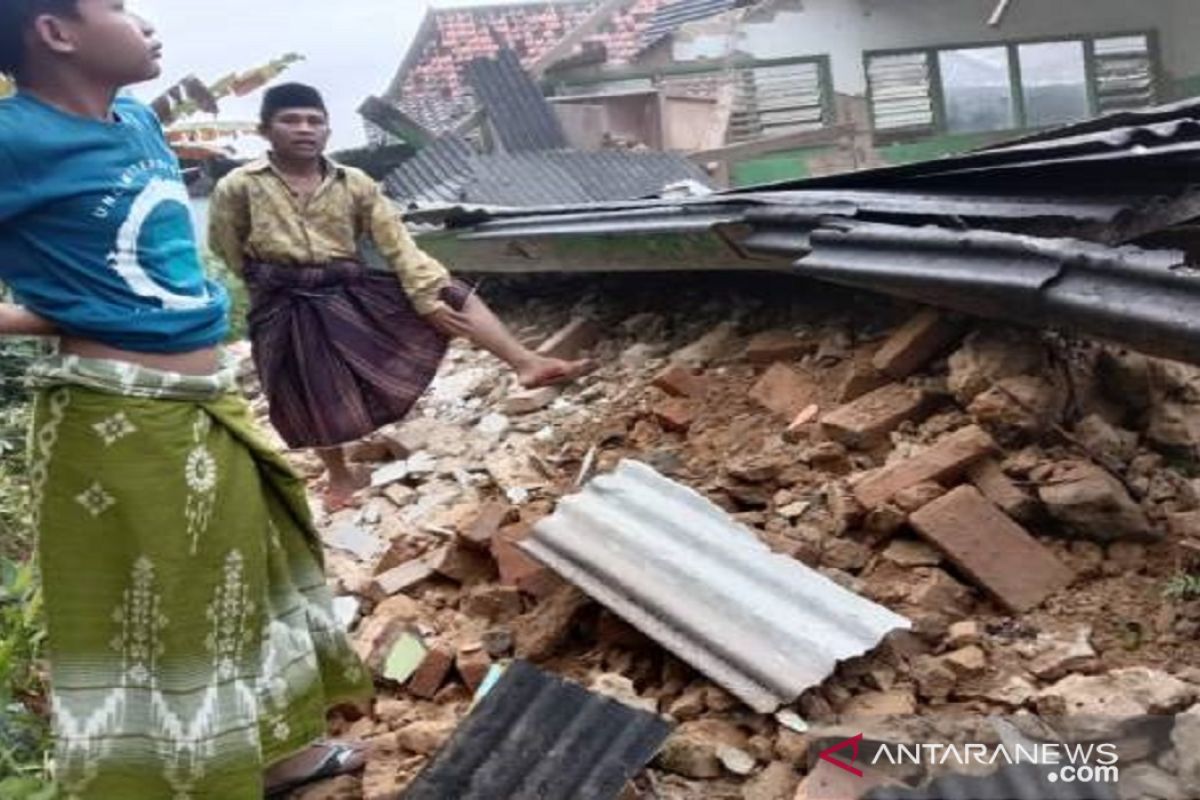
740	387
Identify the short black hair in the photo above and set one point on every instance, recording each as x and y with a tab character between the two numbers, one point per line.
288	95
15	18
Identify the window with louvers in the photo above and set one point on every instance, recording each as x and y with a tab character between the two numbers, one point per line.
775	100
973	88
901	92
1124	70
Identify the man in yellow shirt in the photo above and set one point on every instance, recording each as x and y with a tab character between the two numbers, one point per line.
342	350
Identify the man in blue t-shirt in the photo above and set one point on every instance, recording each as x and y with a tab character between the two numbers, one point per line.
193	648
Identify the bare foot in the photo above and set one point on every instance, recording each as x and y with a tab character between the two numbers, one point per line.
553	372
324	760
342	488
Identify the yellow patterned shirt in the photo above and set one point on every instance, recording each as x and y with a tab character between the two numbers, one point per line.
255	216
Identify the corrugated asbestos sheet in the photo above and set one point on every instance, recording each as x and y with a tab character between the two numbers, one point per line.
1017	782
1071	228
449	172
521	117
670	17
537	737
676	567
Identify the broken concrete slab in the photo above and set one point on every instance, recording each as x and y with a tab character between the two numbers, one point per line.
914	344
993	549
1055	654
1091	707
362	544
784	391
402	577
869	419
944	461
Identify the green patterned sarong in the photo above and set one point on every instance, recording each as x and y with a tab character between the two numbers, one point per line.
190	635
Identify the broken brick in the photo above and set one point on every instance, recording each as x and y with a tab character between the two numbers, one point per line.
995	551
432	674
571	341
493	603
861	379
869	419
402	577
675	414
473	664
540	632
487	524
783	391
771	346
995	485
917	342
463	565
400	553
516	567
944	461
527	401
679	380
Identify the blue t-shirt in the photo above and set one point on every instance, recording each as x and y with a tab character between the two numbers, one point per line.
96	232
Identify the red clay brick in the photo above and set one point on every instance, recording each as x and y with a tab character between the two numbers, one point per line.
869	419
771	346
571	341
916	343
473	664
433	672
463	564
675	414
491	517
516	568
678	380
943	462
995	551
859	380
784	391
989	478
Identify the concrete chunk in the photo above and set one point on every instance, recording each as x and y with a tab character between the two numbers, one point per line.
995	551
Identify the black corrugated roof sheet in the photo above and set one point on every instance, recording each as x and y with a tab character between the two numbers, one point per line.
668	18
516	107
1018	782
449	172
535	736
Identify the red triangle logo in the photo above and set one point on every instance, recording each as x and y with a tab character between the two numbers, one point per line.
852	743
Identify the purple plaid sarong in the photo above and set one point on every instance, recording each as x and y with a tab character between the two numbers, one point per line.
340	350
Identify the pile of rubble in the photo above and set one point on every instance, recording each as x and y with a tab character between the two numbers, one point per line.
1024	500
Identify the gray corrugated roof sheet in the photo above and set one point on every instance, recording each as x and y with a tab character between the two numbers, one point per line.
515	105
450	172
537	736
670	17
672	564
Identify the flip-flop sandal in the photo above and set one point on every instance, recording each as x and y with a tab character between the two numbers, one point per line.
337	761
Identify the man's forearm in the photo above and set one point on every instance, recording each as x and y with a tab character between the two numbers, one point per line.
19	321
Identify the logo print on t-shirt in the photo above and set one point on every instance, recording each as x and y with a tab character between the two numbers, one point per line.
126	260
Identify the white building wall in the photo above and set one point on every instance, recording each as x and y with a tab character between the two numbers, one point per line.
844	29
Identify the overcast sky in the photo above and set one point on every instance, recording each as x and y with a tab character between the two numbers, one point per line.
352	47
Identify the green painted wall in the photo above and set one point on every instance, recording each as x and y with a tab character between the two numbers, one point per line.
784	166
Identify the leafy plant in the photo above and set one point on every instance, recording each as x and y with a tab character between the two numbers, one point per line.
24	728
1183	586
